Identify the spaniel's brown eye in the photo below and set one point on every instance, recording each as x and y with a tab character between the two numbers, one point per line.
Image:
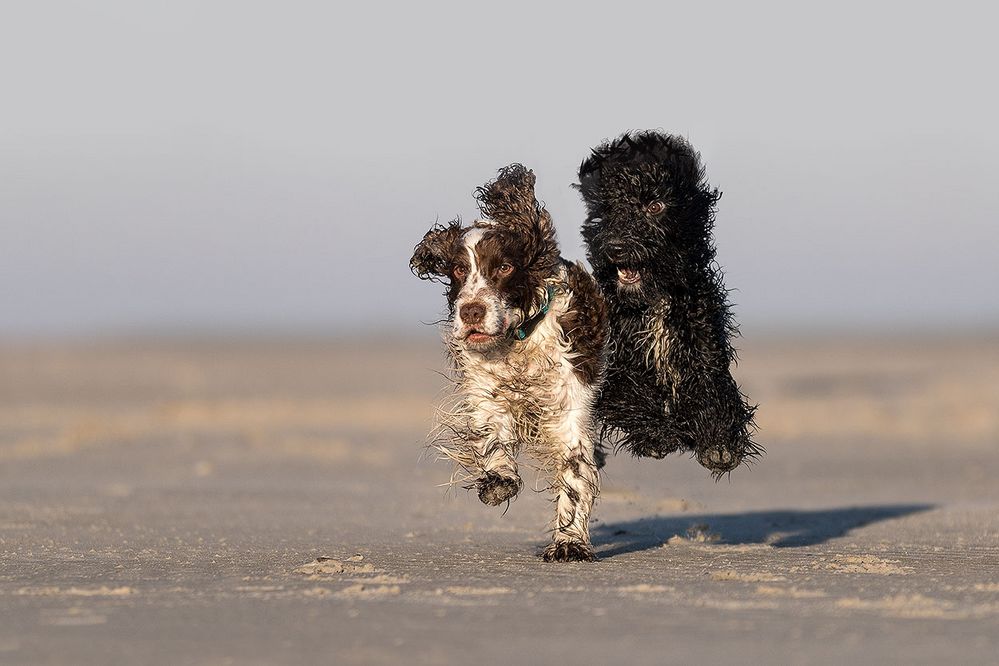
656	207
460	272
505	269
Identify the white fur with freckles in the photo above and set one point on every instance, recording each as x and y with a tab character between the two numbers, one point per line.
527	396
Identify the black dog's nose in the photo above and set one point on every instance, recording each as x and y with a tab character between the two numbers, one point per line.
613	248
472	313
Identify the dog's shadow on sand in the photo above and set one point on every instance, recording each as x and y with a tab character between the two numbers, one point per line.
780	529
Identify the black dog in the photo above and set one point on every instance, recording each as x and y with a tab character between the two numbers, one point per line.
648	232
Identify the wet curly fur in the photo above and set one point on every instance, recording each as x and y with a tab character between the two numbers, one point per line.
526	333
648	231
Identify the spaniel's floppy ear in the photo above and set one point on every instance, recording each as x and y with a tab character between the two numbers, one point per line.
510	203
509	200
432	257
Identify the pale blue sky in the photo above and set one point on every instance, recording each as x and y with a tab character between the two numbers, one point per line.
242	166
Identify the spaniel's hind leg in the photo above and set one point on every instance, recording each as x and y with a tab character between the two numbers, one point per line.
576	487
576	484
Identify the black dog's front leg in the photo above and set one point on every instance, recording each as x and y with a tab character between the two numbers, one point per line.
639	414
709	410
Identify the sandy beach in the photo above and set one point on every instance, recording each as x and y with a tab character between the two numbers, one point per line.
271	501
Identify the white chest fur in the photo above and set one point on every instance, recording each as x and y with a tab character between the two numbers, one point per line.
526	393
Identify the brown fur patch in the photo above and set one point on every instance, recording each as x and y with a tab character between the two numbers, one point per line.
433	255
501	245
585	323
509	201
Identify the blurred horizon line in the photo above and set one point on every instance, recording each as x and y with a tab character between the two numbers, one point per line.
422	333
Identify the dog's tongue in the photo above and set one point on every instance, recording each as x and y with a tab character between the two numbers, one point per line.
628	275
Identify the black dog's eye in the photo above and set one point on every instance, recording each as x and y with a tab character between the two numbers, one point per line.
505	269
656	207
460	272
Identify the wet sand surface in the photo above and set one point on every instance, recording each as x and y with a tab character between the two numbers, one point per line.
210	502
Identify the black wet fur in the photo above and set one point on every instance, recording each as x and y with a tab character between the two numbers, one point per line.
677	394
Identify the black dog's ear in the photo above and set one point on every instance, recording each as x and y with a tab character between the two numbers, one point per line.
432	257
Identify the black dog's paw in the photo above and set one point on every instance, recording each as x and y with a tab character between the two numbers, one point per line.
600	456
648	444
495	489
648	450
569	551
719	459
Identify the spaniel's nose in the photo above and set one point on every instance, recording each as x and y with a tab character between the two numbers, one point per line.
472	313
